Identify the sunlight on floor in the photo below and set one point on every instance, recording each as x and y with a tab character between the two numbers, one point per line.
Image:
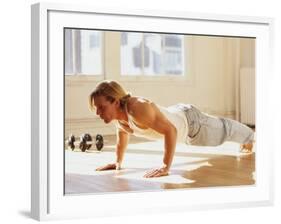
145	156
139	159
171	179
192	166
228	148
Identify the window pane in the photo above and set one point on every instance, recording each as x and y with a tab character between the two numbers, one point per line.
153	51
91	60
83	52
173	54
164	54
131	53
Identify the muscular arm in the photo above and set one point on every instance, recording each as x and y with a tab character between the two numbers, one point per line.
122	142
148	115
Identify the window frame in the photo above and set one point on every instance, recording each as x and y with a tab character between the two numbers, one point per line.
82	77
186	79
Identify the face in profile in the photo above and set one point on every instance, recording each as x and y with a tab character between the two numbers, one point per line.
105	109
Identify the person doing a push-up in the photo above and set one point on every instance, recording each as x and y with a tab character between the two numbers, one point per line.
178	123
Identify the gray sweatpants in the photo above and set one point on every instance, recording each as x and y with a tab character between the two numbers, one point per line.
207	130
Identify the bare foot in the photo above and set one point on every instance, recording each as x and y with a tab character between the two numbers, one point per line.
246	148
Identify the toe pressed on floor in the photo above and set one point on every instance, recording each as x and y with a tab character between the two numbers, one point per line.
246	148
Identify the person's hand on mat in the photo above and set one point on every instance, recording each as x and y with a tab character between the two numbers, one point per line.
111	166
163	171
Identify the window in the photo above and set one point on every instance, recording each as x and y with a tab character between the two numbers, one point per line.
152	54
83	52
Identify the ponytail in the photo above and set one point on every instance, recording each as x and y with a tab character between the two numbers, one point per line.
124	100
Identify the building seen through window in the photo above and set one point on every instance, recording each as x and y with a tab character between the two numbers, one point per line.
152	54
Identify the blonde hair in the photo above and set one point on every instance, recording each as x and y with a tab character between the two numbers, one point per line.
112	91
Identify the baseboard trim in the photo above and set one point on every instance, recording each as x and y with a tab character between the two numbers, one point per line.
93	126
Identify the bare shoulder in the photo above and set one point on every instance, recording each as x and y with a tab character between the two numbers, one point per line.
145	113
139	105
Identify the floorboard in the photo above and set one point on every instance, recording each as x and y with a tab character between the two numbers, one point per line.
193	167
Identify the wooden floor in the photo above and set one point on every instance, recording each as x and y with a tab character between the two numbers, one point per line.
193	167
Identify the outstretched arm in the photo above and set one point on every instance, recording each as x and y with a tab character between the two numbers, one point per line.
147	115
122	142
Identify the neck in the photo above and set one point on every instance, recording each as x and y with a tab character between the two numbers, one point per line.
123	113
122	116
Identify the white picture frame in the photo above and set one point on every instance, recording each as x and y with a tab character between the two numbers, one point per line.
47	198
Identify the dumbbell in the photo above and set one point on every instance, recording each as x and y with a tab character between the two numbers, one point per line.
85	142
